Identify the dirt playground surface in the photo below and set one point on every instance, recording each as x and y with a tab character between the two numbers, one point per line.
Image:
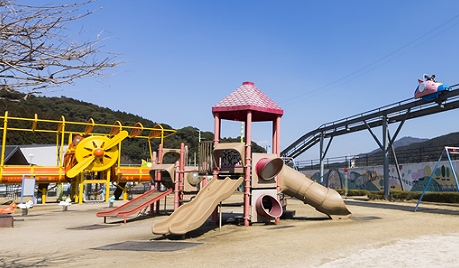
378	234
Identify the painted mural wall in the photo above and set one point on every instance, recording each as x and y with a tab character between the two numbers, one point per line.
413	177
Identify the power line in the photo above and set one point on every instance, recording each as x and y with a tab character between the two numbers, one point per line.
377	63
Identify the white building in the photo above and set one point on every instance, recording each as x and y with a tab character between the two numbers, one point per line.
43	155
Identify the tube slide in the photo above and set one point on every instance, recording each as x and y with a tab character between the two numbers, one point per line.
192	215
325	200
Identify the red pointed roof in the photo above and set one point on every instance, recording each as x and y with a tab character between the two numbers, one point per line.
247	98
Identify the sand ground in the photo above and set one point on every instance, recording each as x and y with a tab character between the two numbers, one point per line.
377	234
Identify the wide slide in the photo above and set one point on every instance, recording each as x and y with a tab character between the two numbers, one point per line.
323	199
135	205
192	215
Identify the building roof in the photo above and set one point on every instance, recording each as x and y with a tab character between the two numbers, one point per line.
35	154
247	98
14	156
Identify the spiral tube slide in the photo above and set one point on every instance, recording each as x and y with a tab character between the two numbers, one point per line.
325	200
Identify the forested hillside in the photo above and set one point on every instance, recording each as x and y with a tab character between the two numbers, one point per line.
420	150
133	150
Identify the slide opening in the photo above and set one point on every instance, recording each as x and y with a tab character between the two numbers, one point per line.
268	168
193	178
268	206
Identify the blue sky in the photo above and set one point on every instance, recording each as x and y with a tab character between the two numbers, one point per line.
320	61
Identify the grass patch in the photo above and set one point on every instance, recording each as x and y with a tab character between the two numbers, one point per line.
438	197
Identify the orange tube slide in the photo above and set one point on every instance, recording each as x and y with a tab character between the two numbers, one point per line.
56	174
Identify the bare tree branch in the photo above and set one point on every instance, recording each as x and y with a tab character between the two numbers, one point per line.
37	52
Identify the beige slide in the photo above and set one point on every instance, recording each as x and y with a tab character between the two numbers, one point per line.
328	201
192	215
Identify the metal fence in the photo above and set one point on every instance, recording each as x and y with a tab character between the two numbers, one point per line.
11	192
403	156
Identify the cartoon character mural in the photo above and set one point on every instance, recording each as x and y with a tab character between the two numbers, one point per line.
333	179
442	180
368	180
413	177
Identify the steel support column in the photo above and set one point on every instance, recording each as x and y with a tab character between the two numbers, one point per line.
385	134
321	159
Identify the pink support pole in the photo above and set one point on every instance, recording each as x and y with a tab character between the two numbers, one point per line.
216	139
176	188
215	170
276	150
278	127
248	163
181	170
153	186
158	174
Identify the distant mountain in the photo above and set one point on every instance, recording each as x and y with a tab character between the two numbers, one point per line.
405	141
413	150
437	143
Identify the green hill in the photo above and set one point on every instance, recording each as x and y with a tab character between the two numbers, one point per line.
133	150
420	151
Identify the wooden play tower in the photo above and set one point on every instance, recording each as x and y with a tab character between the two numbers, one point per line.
248	104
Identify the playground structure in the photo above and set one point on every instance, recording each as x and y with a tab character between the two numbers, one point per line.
177	178
264	176
91	160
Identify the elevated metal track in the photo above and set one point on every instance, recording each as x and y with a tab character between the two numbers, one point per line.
394	113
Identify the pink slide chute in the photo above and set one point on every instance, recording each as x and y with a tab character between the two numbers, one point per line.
135	205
